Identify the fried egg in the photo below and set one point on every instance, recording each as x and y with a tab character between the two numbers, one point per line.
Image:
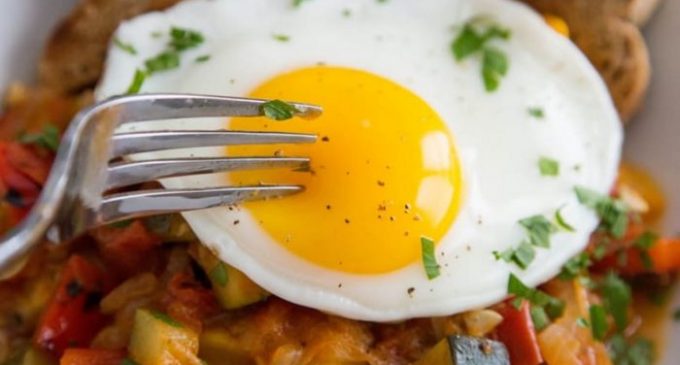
411	148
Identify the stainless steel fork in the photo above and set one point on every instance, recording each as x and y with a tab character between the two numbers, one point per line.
76	195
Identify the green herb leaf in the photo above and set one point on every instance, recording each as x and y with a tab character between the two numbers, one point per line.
494	66
548	166
639	352
204	58
562	223
125	47
278	110
166	318
467	42
644	243
281	37
616	295
612	212
429	259
48	138
182	39
297	3
219	274
137	82
539	229
575	267
524	255
553	307
536	112
505	255
598	322
539	317
165	61
582	322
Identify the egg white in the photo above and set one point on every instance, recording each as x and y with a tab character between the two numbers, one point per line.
407	42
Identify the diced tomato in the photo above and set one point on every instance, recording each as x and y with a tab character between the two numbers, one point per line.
25	159
16	181
518	334
188	301
126	248
72	317
79	356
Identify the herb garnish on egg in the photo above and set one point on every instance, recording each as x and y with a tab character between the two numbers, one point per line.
613	212
536	112
470	41
137	82
429	260
548	166
278	110
125	47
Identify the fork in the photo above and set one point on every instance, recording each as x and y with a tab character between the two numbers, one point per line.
77	195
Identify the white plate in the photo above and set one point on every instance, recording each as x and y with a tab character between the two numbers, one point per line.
653	140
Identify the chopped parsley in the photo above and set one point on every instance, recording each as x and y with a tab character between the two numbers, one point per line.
429	259
472	41
616	295
219	274
182	39
494	67
47	138
582	322
575	267
281	37
297	3
278	110
165	318
137	82
637	352
167	60
553	307
644	243
204	58
536	112
522	256
125	47
548	166
562	223
539	317
539	229
598	322
612	212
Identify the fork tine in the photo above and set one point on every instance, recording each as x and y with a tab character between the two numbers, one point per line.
124	174
128	143
149	107
151	202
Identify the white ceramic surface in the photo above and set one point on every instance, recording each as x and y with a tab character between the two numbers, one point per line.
653	140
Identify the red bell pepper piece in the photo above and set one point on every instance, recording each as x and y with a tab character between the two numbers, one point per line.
92	357
72	317
518	334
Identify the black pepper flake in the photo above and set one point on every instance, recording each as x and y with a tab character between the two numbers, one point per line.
407	206
382	207
381	183
237	222
346	220
410	291
278	153
392	218
73	289
340	285
328	207
325	139
416	218
406	234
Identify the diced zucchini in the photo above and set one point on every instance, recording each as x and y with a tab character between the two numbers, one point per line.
218	346
157	339
33	356
466	350
232	288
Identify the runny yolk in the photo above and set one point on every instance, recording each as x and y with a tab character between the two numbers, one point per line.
384	172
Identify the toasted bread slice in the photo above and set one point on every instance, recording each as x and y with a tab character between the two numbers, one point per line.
74	56
607	32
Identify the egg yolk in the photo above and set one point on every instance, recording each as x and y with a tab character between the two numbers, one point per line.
384	172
